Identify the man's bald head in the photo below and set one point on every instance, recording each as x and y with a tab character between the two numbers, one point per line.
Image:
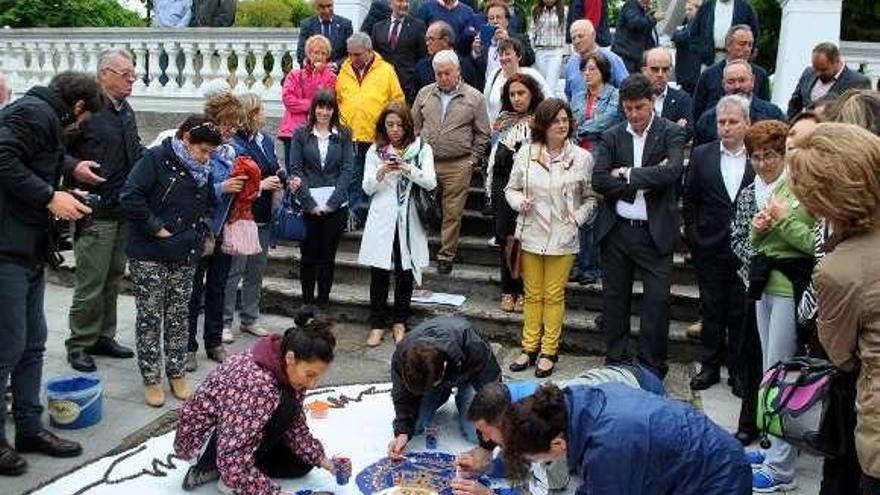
583	36
657	67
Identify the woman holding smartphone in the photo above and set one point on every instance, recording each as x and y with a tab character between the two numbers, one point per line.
394	239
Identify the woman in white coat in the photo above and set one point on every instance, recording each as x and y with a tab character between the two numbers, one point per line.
394	239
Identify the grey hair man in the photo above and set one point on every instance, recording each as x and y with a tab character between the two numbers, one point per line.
110	145
717	173
439	37
451	116
365	85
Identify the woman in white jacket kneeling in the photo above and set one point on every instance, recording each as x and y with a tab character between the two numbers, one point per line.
394	238
550	188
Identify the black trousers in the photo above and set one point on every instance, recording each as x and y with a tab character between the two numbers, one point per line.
722	304
624	249
380	281
208	293
750	369
275	461
318	252
842	474
505	225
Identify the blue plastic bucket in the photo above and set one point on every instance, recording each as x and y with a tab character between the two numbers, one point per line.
74	401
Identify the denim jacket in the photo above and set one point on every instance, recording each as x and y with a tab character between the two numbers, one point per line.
222	161
605	112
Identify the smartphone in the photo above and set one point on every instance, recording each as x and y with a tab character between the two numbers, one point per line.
487	32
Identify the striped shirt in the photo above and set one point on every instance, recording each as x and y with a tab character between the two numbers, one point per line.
547	32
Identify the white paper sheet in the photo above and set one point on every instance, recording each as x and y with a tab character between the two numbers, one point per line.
321	194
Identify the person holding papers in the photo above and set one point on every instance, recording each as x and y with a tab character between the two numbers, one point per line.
321	155
397	163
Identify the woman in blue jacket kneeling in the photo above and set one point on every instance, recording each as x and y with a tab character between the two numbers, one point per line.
626	441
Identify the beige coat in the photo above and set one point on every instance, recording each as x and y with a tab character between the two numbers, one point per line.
562	195
848	292
463	131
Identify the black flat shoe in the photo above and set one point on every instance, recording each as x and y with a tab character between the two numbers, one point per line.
444	267
544	373
515	366
47	443
746	437
11	464
81	361
110	348
705	379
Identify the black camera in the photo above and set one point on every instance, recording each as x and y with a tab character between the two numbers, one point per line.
91	200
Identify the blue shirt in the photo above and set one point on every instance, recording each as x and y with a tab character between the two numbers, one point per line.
520	390
574	78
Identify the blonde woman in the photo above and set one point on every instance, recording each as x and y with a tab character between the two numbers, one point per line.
301	85
550	188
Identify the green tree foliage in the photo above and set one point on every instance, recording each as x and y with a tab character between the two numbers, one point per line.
66	13
272	13
769	21
861	20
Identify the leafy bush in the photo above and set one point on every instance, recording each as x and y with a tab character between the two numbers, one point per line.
769	22
66	13
861	20
272	13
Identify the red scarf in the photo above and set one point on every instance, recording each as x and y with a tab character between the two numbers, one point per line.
593	11
241	207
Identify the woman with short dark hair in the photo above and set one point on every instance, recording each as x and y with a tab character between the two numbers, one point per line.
245	424
394	239
550	188
595	109
322	156
167	196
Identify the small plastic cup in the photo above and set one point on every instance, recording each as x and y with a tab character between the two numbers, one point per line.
342	464
431	434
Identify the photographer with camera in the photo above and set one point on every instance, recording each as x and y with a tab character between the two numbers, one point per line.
31	164
108	145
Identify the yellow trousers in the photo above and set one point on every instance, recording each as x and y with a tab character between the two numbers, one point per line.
544	278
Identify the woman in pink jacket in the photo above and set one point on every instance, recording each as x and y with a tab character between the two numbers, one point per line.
301	85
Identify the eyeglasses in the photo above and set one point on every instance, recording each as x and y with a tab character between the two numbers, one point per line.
124	73
764	157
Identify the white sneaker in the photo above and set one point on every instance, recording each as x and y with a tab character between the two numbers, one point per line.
228	338
493	241
254	330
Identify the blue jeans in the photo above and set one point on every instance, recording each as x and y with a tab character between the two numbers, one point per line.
22	343
432	401
588	257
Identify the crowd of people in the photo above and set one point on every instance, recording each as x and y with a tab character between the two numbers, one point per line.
599	179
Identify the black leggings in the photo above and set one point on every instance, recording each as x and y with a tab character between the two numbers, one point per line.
276	461
380	281
319	253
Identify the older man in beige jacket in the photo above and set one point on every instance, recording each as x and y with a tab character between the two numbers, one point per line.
452	117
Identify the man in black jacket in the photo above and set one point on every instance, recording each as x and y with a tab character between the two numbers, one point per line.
718	171
31	166
213	13
440	354
670	103
635	32
637	172
335	28
828	75
109	140
400	39
440	37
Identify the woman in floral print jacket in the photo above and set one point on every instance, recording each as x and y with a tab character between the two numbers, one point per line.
245	424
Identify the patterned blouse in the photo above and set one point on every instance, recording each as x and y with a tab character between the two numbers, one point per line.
547	33
237	400
740	230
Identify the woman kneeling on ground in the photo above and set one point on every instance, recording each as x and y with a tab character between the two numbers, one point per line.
246	423
622	440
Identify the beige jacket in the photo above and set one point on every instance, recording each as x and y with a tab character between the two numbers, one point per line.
464	131
848	294
562	195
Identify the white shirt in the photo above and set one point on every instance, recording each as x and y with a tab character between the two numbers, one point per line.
492	59
323	143
445	98
638	209
659	101
733	167
723	21
821	89
764	190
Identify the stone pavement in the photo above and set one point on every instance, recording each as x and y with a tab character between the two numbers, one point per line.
125	413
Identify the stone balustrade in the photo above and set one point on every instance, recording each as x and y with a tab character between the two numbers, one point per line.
864	57
171	64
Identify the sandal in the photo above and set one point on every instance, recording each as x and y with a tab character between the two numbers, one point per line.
519	365
545	372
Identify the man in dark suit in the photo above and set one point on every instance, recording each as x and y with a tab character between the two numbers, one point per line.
400	40
638	170
709	26
670	103
440	37
738	80
828	75
334	27
635	32
718	171
709	87
485	53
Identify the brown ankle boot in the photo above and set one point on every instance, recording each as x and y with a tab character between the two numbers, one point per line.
154	395
180	388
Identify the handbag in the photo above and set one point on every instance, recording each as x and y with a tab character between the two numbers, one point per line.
427	203
794	400
288	223
513	244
